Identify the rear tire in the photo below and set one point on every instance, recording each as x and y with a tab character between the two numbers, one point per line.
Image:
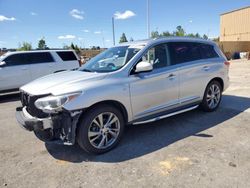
100	129
212	96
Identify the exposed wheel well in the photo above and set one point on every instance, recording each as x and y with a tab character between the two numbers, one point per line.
218	80
116	104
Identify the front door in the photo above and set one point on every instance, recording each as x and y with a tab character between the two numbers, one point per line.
15	73
155	91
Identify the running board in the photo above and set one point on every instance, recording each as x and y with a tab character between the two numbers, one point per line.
165	116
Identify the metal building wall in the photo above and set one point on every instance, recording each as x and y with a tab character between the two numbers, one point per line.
235	25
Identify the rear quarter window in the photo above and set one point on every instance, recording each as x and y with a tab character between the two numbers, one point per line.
207	51
67	56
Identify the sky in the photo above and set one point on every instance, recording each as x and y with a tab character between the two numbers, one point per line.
88	23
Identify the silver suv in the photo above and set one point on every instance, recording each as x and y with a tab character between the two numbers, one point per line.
133	83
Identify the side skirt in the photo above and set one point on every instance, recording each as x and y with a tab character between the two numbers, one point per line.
136	122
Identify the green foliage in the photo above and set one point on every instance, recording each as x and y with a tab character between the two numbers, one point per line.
205	37
25	46
42	44
155	34
178	32
166	34
123	38
74	47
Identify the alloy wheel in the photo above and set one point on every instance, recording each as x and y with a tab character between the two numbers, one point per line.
104	130
213	96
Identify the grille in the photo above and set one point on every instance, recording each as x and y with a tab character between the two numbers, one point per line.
29	101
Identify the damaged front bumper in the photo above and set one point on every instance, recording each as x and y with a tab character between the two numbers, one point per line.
56	128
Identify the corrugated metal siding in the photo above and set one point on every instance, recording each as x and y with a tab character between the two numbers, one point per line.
235	26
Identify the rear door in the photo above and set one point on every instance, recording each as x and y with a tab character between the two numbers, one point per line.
156	91
194	69
41	64
15	73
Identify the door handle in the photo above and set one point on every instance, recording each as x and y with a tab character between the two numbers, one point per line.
206	68
24	68
171	76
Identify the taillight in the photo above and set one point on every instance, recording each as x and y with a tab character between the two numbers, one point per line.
227	63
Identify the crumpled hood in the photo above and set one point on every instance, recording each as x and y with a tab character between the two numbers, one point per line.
62	82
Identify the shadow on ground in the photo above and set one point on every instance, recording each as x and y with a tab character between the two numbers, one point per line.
9	97
140	140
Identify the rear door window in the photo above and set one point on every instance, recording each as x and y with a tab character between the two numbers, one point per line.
16	59
67	56
181	52
39	57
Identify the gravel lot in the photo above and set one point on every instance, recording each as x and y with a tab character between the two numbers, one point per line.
194	149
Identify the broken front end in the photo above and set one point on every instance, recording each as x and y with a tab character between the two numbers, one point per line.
45	116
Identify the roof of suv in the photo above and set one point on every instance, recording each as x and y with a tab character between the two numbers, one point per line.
167	39
34	51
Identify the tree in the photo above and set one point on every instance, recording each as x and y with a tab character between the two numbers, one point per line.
205	37
72	46
25	46
131	39
197	35
66	47
179	31
42	44
166	34
155	34
190	35
75	47
123	38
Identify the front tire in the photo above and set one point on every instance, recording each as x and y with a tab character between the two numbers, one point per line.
212	96
100	129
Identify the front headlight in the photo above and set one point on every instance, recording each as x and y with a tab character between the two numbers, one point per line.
54	103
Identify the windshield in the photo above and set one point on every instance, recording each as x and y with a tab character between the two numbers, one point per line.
110	60
3	56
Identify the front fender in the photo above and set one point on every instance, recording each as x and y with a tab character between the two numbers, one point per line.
114	92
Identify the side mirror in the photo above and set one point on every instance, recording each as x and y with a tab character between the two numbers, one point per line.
2	63
143	66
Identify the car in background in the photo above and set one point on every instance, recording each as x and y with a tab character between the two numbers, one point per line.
19	68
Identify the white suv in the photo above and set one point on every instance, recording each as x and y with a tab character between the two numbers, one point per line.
19	68
132	83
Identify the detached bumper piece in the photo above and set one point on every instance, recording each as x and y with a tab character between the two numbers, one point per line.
30	123
57	128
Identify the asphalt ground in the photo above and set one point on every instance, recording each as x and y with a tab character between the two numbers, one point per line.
194	149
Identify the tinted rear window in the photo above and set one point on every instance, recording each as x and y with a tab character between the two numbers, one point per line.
207	51
181	52
67	56
39	57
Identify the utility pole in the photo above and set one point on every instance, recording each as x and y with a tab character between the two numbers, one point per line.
113	27
148	19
